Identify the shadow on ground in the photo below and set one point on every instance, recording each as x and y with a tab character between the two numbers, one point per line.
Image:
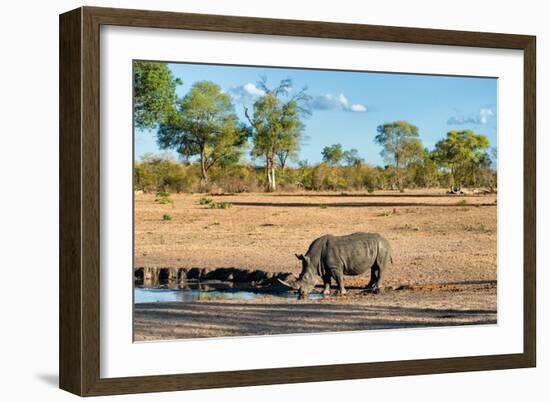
364	195
208	319
358	204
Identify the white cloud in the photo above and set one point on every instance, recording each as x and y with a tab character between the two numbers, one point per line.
481	118
358	108
253	90
484	114
246	93
335	102
343	100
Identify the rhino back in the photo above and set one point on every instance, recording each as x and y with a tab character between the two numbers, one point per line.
355	253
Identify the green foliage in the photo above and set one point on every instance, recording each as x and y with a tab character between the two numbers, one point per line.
163	197
204	124
154	93
237	178
333	154
352	158
423	172
220	205
166	217
400	145
205	201
276	126
463	154
163	175
159	174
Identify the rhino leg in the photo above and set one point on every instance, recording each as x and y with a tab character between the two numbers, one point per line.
339	276
375	277
326	285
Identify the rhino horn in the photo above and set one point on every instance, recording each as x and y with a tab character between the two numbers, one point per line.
289	285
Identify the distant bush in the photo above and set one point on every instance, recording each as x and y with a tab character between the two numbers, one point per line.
162	175
220	205
166	217
163	198
237	178
205	200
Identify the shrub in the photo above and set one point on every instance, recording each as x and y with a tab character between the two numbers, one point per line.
220	205
205	200
411	227
161	173
166	217
163	198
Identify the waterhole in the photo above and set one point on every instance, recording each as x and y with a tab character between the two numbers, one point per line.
208	292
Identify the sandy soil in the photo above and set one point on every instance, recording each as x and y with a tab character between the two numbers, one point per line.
460	304
446	244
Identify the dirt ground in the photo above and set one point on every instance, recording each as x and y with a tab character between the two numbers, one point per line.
444	253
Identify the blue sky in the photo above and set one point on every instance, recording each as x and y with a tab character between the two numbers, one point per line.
348	106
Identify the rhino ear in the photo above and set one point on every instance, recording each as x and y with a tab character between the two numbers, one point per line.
299	257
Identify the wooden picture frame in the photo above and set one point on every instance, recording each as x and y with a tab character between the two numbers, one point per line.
79	201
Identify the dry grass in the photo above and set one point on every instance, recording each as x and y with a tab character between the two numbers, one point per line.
433	240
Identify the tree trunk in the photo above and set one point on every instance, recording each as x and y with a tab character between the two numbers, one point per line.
270	173
267	175
204	173
273	180
398	172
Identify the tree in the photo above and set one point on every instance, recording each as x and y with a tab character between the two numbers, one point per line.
276	126
400	144
423	171
463	153
333	154
352	158
158	173
154	93
290	144
204	124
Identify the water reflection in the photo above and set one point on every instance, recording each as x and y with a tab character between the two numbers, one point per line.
203	292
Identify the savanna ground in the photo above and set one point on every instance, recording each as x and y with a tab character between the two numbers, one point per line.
444	252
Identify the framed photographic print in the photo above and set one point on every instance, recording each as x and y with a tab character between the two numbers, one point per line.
239	193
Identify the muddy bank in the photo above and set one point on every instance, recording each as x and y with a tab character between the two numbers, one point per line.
407	307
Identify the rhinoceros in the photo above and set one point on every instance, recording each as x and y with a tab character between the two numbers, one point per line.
332	256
